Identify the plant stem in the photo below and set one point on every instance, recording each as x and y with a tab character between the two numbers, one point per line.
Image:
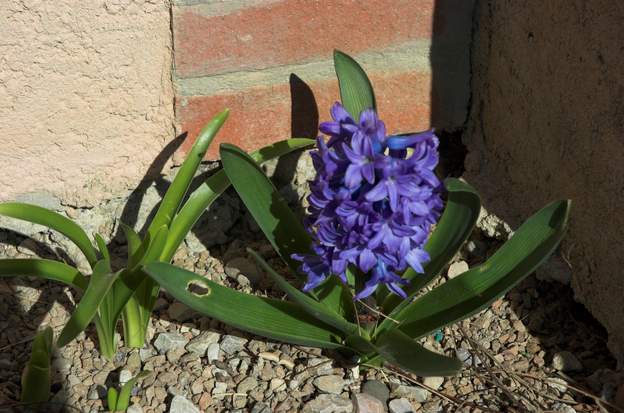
134	334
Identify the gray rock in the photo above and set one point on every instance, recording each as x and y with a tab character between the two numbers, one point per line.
134	362
329	384
412	392
492	226
328	403
212	353
180	404
563	408
134	408
124	376
365	403
198	345
167	341
456	269
466	357
566	361
376	389
145	353
246	385
433	382
261	407
232	344
400	406
96	392
245	267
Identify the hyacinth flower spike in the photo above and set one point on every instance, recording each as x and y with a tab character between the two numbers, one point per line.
371	204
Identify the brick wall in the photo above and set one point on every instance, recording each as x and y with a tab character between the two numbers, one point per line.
240	54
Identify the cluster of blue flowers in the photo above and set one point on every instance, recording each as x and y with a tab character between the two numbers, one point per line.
372	203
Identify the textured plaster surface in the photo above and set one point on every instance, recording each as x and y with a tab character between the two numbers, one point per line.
547	122
86	101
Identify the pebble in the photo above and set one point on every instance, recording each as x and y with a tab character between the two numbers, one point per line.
277	385
167	341
213	352
134	362
433	382
180	312
145	353
329	384
134	408
246	385
232	344
124	376
456	269
400	406
365	403
566	362
376	389
245	267
328	403
198	345
180	404
412	392
269	356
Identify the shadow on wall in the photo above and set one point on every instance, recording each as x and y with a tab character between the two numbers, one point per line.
547	122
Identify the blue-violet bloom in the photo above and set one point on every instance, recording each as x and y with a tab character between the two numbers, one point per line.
372	204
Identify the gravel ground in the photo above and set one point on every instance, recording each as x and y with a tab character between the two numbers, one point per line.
534	350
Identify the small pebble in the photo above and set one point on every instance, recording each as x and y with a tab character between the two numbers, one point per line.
365	403
400	406
566	362
456	269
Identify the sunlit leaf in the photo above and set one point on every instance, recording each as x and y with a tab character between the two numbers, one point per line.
52	220
356	91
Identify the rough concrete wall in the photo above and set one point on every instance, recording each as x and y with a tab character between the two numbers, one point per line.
86	101
241	54
548	122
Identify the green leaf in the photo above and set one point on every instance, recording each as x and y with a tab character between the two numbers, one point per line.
99	283
102	247
402	351
126	391
175	194
274	319
455	226
356	91
209	191
136	247
111	398
36	377
307	303
478	287
279	224
52	220
47	269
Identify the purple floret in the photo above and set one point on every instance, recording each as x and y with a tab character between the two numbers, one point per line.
373	201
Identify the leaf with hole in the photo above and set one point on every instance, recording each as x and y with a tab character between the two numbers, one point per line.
267	317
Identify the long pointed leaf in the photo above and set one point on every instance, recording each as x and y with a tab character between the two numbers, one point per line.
123	400
36	377
356	91
175	194
272	214
42	268
399	349
99	283
134	245
274	319
205	195
307	303
52	220
478	287
453	229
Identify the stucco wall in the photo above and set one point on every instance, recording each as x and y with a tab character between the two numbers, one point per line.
547	122
86	101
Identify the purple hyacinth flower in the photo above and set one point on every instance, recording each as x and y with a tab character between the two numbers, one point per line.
372	203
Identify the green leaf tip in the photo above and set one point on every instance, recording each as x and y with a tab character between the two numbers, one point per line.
356	90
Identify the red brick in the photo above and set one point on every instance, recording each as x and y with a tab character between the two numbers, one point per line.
262	115
293	31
